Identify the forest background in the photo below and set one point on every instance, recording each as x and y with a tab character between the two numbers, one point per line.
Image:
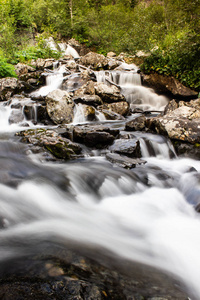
168	29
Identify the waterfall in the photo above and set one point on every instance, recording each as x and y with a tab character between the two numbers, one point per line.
79	114
138	96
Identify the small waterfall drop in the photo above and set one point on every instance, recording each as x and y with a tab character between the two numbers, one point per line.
53	82
71	51
79	114
138	96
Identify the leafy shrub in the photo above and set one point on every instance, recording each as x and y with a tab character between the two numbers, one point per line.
6	70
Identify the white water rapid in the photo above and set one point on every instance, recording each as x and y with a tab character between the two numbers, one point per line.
145	214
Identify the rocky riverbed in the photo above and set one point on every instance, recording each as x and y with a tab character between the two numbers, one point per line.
85	108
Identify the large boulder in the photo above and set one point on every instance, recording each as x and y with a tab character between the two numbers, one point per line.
107	93
167	84
136	124
94	60
60	107
182	123
9	86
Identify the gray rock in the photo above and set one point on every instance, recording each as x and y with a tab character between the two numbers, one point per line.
60	107
129	147
94	60
59	146
97	136
93	100
107	93
120	108
182	123
124	161
136	124
9	86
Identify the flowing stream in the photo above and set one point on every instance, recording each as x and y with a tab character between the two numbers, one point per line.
146	214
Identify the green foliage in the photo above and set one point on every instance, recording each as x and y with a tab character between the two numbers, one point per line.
6	70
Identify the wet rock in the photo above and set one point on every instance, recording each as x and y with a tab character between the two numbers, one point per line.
87	88
184	149
172	105
94	60
129	147
124	161
113	64
97	136
73	83
87	111
164	84
41	63
21	69
59	146
181	124
60	107
120	108
9	86
110	115
93	100
137	124
107	93
16	116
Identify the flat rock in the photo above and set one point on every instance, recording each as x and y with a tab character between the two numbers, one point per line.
124	161
59	146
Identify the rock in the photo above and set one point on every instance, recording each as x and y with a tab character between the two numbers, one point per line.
120	108
93	100
124	161
94	60
164	84
110	115
9	86
97	136
73	83
80	48
16	116
129	147
137	124
87	88
111	54
35	79
60	107
184	149
107	93
113	64
172	105
87	111
42	63
21	69
59	146
181	124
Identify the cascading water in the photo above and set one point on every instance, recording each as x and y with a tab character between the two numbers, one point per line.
138	96
144	215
